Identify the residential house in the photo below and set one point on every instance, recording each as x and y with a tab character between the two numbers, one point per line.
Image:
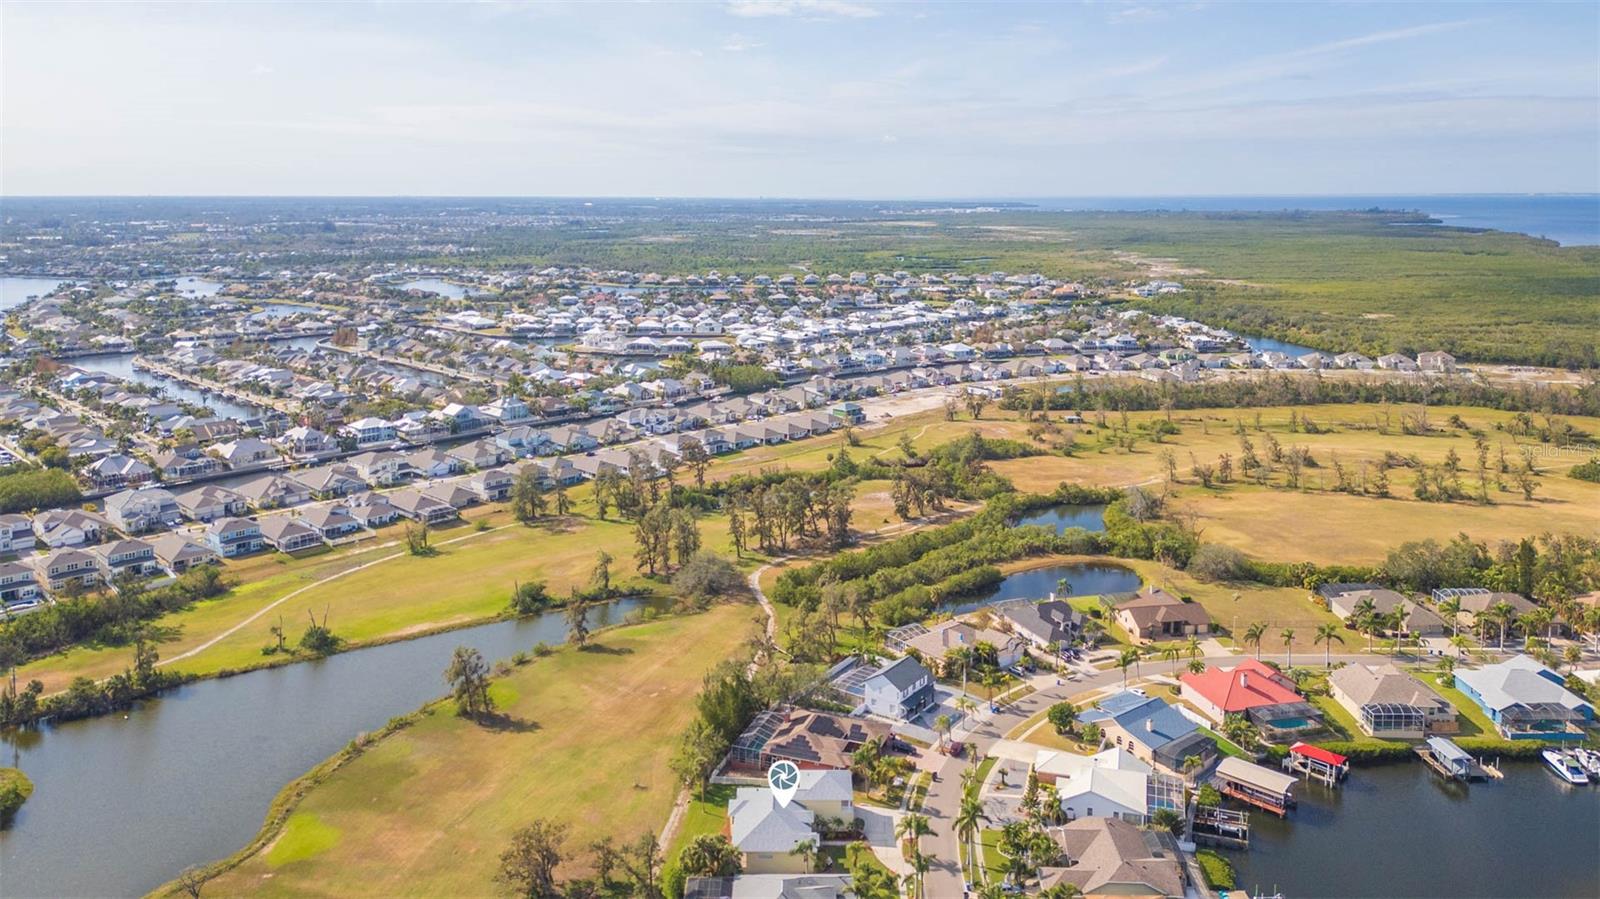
1436	361
18	586
1111	857
1109	784
245	452
330	481
941	643
117	470
288	535
1044	624
131	557
273	491
233	537
380	469
372	510
479	454
1391	704
16	533
330	522
491	486
767	832
419	506
176	466
432	462
812	740
1152	731
177	553
58	528
210	502
1253	689
369	431
145	509
1526	700
62	568
1155	615
305	442
899	691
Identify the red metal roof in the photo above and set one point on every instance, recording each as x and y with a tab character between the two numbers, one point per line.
1245	686
1318	753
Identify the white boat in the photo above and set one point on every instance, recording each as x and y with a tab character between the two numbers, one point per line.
1589	760
1565	766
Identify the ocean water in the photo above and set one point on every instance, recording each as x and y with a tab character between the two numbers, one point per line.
1568	219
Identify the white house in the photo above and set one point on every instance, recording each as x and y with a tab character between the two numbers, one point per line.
900	691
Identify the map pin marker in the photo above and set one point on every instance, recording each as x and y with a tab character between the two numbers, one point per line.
784	779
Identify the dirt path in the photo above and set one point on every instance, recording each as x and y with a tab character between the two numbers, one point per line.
311	586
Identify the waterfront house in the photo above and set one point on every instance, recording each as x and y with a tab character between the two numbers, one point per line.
1526	700
1110	857
900	691
1391	704
58	528
479	454
369	431
117	470
1044	624
1261	787
304	442
273	491
288	535
211	502
380	469
176	466
145	509
432	462
177	553
942	643
330	481
1156	615
1253	689
245	452
233	537
1109	784
1151	730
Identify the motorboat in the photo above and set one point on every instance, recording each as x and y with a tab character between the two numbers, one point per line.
1565	765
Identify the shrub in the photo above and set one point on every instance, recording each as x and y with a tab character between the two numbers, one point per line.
39	488
708	575
15	788
1217	870
1587	471
1214	562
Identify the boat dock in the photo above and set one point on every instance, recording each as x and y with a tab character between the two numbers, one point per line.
1316	763
1214	826
1451	761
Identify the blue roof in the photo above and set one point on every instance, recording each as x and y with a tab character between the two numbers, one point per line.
1147	719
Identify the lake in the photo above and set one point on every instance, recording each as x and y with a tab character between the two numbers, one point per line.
122	804
1268	345
121	365
1090	518
1399	830
15	291
1083	579
198	287
447	289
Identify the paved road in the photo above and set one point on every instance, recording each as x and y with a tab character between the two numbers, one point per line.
944	796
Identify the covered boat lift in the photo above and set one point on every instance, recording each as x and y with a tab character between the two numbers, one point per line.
1261	787
1316	763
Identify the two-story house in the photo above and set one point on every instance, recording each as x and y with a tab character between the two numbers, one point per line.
900	691
233	537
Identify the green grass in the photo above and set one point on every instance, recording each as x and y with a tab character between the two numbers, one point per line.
1227	746
704	815
304	836
1473	721
1217	871
428	809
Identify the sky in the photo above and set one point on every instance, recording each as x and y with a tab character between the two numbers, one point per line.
798	98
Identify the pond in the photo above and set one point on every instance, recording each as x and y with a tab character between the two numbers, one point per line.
1399	830
121	365
14	291
1268	345
1083	579
192	286
1090	518
123	803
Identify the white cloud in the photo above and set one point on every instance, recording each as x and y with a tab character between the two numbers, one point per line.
817	9
738	43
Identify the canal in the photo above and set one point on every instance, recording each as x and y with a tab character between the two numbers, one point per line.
123	803
1399	830
15	290
121	366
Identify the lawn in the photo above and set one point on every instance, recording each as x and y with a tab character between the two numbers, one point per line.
427	810
703	815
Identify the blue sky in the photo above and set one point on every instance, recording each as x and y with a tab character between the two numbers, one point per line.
835	98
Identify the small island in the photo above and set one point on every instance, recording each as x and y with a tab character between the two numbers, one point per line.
15	788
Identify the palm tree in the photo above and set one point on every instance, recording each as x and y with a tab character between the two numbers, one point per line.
1288	647
1536	620
1460	643
919	872
1125	661
806	851
942	724
1191	763
1171	652
1192	647
1326	635
1062	891
967	822
1253	635
1504	613
1451	609
912	827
